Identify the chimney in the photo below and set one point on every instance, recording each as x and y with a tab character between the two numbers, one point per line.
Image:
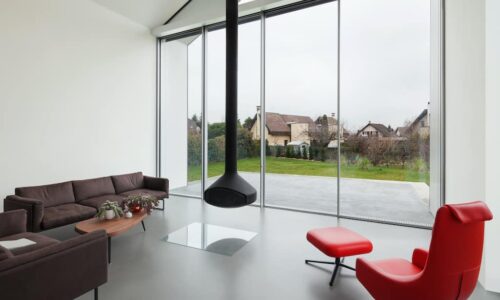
231	190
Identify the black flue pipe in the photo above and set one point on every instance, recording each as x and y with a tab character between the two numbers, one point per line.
231	85
231	190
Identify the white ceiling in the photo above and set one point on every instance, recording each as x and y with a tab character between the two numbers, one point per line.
151	13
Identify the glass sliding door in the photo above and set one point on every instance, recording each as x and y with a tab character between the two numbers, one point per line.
359	150
181	114
216	104
248	102
385	92
301	109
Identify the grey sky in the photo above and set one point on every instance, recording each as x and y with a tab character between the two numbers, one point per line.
384	63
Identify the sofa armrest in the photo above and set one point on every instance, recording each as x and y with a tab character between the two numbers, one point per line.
65	270
33	207
156	183
419	257
12	222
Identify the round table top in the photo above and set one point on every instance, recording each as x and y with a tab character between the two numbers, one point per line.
113	227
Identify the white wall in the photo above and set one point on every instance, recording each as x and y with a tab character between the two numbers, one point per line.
492	190
464	100
77	93
472	109
436	105
174	113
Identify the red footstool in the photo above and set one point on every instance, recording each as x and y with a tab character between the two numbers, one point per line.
338	242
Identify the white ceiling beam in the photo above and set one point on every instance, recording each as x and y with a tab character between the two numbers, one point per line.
205	12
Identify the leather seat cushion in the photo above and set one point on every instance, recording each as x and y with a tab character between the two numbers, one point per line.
400	267
66	214
339	242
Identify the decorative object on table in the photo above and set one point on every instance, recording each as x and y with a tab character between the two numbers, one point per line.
136	203
128	215
109	210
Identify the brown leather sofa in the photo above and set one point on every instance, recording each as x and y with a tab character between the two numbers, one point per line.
50	269
55	205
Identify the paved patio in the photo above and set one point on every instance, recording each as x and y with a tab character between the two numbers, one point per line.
387	200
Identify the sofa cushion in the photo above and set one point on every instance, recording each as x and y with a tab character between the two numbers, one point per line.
128	182
66	214
85	189
5	253
157	194
96	202
40	240
51	195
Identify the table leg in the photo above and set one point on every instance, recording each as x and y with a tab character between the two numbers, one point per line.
162	208
143	226
109	249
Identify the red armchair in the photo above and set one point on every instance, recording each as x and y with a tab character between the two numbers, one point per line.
449	270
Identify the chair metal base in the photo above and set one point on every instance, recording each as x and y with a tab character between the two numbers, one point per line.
339	263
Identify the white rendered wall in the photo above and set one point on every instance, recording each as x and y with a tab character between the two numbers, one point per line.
491	268
174	111
77	93
465	131
436	106
472	110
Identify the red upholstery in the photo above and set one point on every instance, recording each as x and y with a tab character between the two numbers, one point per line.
339	242
448	271
471	212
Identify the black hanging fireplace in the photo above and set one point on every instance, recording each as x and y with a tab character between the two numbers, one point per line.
231	190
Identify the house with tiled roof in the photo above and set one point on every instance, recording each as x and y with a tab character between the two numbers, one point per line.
421	125
282	129
401	131
376	130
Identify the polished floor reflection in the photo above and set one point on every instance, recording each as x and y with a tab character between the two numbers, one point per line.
212	238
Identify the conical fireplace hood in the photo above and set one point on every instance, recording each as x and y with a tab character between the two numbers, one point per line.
231	190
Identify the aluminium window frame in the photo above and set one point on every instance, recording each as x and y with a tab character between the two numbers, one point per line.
438	96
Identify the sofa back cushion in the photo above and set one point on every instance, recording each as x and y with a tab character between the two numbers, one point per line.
128	182
5	253
51	195
85	189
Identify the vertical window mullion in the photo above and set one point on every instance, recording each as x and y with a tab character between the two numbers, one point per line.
204	121
262	110
339	126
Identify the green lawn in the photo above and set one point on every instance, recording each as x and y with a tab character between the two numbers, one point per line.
314	168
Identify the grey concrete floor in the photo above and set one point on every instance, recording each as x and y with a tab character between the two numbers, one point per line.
379	199
270	266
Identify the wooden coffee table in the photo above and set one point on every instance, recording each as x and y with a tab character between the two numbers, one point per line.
113	227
